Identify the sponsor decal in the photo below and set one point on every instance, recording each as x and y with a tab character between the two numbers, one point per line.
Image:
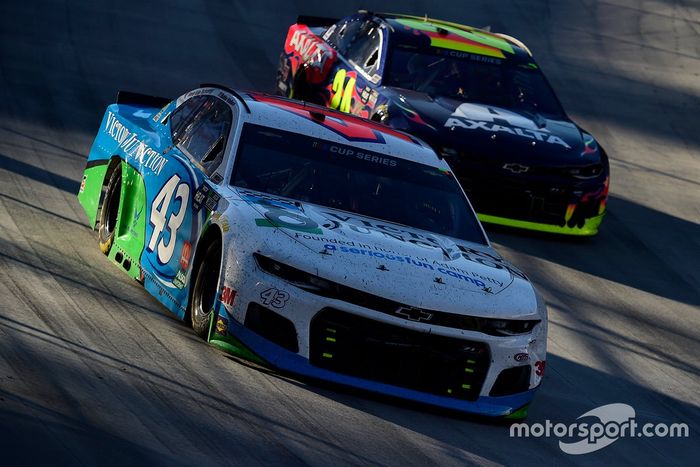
225	96
516	168
227	296
473	57
193	93
284	214
186	254
462	276
303	47
159	116
278	213
134	223
414	314
589	145
223	221
205	195
539	367
282	218
136	150
306	44
497	120
222	326
274	297
180	279
374	158
521	357
82	184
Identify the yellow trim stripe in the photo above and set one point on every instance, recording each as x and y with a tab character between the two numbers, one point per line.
590	228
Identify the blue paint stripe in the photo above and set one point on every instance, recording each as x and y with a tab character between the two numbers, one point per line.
283	359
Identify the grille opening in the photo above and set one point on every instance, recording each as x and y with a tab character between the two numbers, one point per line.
512	381
272	327
385	353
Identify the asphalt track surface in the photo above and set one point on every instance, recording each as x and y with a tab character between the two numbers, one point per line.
93	371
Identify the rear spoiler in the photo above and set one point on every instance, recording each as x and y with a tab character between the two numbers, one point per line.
134	98
316	21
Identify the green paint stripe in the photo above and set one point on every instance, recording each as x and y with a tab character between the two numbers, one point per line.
233	346
519	414
447	43
263	223
461	31
589	228
268	223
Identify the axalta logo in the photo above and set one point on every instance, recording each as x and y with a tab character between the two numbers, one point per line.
496	120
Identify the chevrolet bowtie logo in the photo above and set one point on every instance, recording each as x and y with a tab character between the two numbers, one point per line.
414	314
516	168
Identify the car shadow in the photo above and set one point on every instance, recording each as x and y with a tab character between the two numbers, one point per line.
637	246
569	390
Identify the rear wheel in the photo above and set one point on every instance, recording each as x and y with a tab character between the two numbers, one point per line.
110	211
206	283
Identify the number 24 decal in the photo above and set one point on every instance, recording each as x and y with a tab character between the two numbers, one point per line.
342	96
159	210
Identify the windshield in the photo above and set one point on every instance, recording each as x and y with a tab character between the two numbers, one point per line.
344	177
473	78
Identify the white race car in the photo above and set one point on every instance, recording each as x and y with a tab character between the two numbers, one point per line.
316	243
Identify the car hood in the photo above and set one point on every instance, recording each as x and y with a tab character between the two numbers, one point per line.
401	263
501	134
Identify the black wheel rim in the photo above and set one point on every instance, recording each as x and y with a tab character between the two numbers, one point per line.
205	290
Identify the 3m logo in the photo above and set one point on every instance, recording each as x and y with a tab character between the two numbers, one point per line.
414	314
186	254
516	168
227	296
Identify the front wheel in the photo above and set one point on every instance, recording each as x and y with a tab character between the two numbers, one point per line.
206	283
110	211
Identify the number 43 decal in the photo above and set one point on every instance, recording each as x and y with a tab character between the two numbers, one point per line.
274	297
159	211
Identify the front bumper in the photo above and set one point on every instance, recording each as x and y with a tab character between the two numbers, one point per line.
539	202
589	228
325	344
282	359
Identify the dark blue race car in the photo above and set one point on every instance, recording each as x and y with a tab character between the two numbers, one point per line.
477	97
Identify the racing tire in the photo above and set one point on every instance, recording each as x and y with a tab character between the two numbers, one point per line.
109	213
204	289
